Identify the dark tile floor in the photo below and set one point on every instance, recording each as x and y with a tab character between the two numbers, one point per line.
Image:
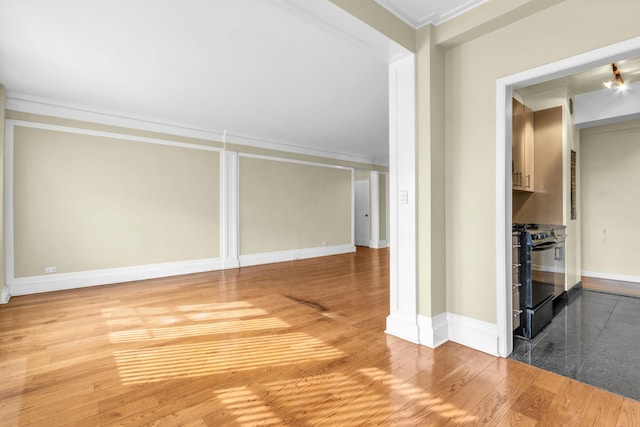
594	339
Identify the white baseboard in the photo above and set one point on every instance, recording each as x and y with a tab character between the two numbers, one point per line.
473	333
611	276
476	334
5	295
378	245
403	328
231	263
82	279
292	255
433	330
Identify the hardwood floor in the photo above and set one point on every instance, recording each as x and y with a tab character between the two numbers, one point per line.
297	343
617	287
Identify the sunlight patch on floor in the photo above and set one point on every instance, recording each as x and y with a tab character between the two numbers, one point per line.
197	330
206	358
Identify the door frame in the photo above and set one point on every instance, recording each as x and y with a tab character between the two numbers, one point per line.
504	91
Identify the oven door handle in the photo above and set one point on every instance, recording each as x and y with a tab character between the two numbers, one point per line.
544	246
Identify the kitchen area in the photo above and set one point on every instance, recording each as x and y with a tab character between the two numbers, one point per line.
557	324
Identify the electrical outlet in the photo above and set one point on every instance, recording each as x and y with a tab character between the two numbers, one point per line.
324	243
49	269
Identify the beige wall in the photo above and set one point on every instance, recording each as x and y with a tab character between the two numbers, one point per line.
431	216
85	202
379	18
286	205
610	167
86	199
558	32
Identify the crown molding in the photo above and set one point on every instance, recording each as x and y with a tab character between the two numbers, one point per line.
441	11
46	107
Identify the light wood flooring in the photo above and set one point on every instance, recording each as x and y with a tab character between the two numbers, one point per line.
617	287
299	343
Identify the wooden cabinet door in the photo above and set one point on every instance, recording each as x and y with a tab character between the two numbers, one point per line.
517	146
528	172
522	148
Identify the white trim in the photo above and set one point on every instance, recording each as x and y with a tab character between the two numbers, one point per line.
353	207
5	295
479	335
46	107
403	328
476	334
434	331
611	276
113	135
230	210
504	86
403	285
294	254
434	18
8	196
301	162
374	209
57	282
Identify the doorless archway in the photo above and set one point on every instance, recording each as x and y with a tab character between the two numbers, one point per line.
504	91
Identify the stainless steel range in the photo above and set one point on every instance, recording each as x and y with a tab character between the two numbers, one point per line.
541	274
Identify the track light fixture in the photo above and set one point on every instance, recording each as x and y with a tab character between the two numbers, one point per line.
617	78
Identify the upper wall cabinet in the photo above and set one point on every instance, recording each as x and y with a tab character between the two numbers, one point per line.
522	177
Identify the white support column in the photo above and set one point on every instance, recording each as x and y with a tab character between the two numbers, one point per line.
374	209
402	320
229	218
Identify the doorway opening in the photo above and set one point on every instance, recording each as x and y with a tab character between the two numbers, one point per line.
504	93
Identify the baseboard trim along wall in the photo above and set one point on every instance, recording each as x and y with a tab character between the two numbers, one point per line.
403	328
433	330
476	334
4	295
294	254
611	276
378	245
82	279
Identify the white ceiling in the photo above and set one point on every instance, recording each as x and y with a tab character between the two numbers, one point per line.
418	13
273	73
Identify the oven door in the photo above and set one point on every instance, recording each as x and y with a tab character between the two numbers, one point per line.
543	272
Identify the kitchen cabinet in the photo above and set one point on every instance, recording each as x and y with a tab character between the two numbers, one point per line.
522	148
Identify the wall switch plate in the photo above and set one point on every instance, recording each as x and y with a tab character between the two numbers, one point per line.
50	269
404	197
